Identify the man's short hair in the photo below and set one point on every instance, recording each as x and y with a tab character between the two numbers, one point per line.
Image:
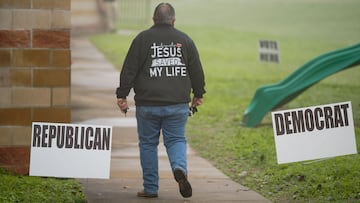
164	14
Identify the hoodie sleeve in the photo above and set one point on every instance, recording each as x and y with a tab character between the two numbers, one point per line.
130	69
196	71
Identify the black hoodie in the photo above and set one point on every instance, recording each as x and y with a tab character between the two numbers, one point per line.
162	65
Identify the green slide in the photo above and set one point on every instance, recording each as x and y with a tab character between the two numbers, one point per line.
273	96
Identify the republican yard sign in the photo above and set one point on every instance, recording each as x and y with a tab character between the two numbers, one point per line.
314	132
71	151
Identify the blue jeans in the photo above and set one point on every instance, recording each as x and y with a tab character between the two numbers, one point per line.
171	121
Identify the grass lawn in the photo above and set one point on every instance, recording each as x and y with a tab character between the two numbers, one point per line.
226	34
35	189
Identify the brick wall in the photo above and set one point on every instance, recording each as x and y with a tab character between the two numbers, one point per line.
35	61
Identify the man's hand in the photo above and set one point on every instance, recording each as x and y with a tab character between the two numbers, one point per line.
122	103
196	102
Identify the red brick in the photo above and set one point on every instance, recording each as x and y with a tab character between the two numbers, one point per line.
15	159
14	38
5	58
54	115
61	58
31	58
63	4
4	77
52	4
52	77
51	39
20	77
44	4
15	116
15	3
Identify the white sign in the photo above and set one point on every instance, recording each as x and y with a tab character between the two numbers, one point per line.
269	51
70	151
314	132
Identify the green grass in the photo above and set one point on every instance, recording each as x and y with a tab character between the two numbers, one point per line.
35	189
226	34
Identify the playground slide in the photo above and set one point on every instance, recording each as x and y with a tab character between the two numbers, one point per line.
273	96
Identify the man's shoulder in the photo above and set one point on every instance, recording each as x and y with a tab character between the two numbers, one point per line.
154	31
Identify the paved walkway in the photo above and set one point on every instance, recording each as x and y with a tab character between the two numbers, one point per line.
94	81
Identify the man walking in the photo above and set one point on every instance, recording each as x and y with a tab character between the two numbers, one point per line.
163	67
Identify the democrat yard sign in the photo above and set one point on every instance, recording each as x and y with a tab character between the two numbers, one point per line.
70	151
314	132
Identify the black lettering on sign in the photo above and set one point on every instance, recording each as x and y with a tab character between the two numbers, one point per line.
60	139
269	51
88	142
106	139
287	123
298	121
344	107
340	118
310	119
328	117
44	135
52	134
36	135
82	137
76	144
279	124
71	137
97	139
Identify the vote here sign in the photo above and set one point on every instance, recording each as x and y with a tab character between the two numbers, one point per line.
314	132
71	151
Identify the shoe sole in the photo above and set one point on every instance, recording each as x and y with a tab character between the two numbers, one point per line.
184	185
146	195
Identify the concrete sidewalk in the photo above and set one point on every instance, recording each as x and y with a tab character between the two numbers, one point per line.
94	81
